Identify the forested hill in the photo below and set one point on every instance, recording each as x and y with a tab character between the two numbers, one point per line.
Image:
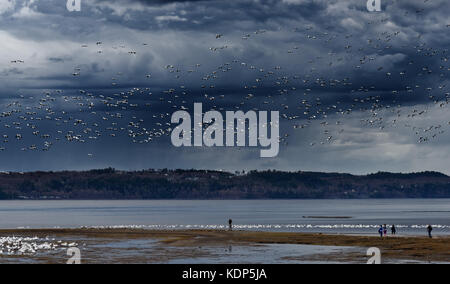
194	184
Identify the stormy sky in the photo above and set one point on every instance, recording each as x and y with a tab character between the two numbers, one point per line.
357	91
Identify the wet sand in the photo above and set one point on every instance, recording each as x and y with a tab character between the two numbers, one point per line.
130	245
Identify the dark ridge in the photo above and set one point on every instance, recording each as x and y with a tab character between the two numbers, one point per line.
207	184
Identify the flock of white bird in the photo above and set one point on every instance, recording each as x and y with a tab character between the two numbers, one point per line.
11	245
306	98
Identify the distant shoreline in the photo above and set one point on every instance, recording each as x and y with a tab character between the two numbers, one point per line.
230	199
111	184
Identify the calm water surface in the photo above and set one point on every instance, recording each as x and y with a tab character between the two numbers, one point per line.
334	216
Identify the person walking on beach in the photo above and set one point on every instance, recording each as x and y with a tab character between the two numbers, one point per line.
230	224
429	229
380	231
393	230
385	230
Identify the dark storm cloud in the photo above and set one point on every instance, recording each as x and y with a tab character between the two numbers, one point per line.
338	41
226	14
157	2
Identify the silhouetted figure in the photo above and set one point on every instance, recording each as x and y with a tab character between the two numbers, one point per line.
429	229
380	231
230	223
393	230
385	230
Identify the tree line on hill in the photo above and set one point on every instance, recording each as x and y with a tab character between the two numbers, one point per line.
201	184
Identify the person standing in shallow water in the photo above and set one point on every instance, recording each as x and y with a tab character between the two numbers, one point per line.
393	230
380	231
230	224
429	229
385	230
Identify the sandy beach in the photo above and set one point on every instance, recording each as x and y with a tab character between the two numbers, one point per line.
193	246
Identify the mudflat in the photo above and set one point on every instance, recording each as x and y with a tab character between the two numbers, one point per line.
409	248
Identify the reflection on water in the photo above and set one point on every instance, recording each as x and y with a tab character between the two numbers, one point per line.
271	254
104	250
98	250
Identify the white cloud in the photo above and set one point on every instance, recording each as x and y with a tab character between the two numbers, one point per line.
26	12
170	18
351	23
7	6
